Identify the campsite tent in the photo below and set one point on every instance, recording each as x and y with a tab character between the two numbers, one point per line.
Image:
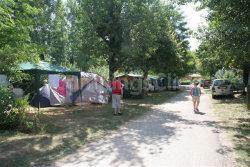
162	83
56	92
173	82
94	89
154	81
133	84
45	68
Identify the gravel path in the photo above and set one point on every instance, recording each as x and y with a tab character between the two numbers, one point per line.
171	135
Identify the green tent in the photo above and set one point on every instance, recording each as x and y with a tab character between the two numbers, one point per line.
46	68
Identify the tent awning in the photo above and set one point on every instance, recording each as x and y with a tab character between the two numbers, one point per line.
153	77
46	68
129	75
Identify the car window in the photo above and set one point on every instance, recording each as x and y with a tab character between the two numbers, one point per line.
218	82
226	82
221	82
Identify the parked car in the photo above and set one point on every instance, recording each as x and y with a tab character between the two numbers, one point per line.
221	87
205	83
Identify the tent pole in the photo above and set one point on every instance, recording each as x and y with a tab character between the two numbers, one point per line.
37	83
80	86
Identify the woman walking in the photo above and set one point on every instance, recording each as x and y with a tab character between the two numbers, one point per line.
195	92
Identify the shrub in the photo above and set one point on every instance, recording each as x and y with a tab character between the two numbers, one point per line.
185	82
233	75
14	115
8	116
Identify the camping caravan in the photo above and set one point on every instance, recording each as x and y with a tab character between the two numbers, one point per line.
162	82
133	84
94	89
154	82
173	83
148	85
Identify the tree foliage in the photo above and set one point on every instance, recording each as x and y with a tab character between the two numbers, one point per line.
226	41
16	25
85	48
123	35
136	32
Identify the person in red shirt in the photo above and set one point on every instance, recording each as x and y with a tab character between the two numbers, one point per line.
117	93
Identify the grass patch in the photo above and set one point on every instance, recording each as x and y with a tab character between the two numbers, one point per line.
65	129
236	121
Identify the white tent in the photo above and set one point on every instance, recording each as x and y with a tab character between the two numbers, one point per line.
94	89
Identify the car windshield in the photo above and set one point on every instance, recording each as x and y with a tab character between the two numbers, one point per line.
221	82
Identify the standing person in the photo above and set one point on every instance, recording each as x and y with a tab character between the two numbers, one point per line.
196	93
117	92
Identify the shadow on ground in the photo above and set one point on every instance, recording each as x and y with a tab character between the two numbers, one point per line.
236	99
236	121
153	130
68	128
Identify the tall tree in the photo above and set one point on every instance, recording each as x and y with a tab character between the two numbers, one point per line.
226	42
50	31
105	16
42	34
59	35
165	37
16	25
85	47
125	34
141	35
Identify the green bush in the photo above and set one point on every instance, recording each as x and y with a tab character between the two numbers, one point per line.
185	82
232	75
13	113
8	116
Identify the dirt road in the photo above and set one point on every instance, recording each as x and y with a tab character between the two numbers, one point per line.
170	135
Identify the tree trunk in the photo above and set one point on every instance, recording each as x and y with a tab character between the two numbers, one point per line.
248	88
145	74
111	64
111	73
248	96
245	79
